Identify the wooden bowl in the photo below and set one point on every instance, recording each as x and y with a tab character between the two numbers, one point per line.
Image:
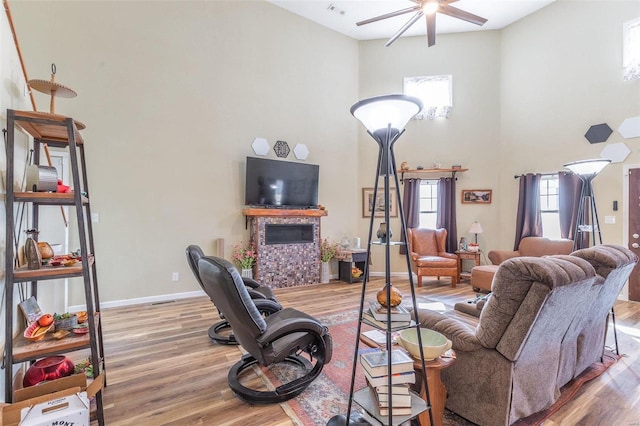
36	332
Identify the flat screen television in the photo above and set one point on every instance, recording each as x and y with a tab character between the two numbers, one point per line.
281	184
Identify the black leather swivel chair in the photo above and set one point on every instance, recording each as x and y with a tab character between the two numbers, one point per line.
282	336
265	301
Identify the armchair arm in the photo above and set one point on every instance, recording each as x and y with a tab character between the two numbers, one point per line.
267	306
498	256
288	321
250	282
448	255
463	337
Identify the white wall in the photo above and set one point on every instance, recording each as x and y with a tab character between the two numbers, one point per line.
173	94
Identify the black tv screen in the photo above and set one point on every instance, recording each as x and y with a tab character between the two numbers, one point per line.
274	183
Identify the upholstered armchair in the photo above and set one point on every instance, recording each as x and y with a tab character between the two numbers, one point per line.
427	248
532	246
508	359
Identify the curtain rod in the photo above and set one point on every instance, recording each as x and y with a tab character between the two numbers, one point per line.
543	174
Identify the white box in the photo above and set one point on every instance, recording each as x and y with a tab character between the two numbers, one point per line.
72	410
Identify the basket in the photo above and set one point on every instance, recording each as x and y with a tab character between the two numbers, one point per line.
66	323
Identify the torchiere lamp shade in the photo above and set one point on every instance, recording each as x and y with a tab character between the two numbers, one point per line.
381	112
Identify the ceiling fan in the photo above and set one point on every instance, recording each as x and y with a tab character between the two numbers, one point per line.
429	8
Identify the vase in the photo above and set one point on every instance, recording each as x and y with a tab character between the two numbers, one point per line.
396	296
47	369
382	232
324	272
247	273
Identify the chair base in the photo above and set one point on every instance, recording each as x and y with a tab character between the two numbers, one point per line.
281	393
215	333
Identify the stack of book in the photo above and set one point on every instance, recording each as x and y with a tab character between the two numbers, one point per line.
376	370
377	315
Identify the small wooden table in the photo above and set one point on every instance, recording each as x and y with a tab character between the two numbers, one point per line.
437	390
467	255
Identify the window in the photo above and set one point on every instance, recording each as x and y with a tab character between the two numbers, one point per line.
631	50
549	201
428	203
435	92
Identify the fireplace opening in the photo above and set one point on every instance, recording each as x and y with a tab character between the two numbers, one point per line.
288	233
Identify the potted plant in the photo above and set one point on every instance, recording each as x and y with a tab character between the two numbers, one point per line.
327	251
244	256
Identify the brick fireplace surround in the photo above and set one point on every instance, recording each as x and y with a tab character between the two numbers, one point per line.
288	245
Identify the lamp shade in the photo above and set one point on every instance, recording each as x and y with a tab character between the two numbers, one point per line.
587	167
476	228
381	112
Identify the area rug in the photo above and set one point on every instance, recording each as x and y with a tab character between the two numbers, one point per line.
328	395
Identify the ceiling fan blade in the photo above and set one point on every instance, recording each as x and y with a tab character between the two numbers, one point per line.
431	29
454	12
404	28
388	15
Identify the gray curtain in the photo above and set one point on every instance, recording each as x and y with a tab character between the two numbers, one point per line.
410	206
529	217
569	190
447	211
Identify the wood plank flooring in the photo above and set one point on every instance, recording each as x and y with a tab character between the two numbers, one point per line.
162	369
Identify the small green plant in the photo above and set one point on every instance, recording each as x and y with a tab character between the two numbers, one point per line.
244	256
327	250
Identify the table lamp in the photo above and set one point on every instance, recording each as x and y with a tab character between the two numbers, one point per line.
476	229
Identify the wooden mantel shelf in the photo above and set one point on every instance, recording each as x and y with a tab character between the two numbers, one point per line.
418	171
284	212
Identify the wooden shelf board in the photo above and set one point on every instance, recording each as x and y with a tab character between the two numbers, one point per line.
46	272
49	126
284	212
433	170
52	198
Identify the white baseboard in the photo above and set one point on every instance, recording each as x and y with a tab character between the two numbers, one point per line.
189	294
142	300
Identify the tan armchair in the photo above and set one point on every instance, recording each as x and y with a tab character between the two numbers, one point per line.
429	256
533	246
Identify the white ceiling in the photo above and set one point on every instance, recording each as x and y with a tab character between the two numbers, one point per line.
341	15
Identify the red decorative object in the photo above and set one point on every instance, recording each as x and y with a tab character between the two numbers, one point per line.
46	369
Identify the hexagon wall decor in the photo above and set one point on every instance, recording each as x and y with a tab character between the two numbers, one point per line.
630	128
301	151
616	152
281	149
260	146
598	133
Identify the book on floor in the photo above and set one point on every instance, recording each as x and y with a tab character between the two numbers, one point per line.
409	377
398	313
377	363
401	389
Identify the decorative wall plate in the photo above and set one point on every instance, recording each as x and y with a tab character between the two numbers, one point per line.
301	151
281	149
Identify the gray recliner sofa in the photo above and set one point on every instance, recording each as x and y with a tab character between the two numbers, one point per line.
543	324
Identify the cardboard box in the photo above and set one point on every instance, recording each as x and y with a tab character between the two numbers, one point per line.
71	410
10	414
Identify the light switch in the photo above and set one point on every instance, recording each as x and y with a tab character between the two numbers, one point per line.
95	217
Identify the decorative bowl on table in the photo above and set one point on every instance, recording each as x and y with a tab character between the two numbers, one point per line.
51	368
65	321
36	332
473	248
434	344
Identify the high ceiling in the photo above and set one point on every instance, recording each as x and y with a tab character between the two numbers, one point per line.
341	16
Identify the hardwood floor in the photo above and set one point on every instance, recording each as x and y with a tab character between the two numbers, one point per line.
163	369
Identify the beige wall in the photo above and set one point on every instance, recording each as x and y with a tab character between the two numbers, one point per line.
173	93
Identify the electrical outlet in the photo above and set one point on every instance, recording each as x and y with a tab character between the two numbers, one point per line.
175	276
95	217
610	219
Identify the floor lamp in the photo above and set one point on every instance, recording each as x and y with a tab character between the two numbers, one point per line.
587	220
385	118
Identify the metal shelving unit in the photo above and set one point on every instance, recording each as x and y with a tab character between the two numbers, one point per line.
60	132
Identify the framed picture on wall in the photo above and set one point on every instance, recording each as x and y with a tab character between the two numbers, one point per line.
476	196
378	211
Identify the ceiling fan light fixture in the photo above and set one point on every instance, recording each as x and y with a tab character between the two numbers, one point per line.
430	7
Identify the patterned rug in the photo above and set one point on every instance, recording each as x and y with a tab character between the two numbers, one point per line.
328	395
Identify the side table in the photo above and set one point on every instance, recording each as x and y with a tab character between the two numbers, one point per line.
437	390
346	260
467	255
